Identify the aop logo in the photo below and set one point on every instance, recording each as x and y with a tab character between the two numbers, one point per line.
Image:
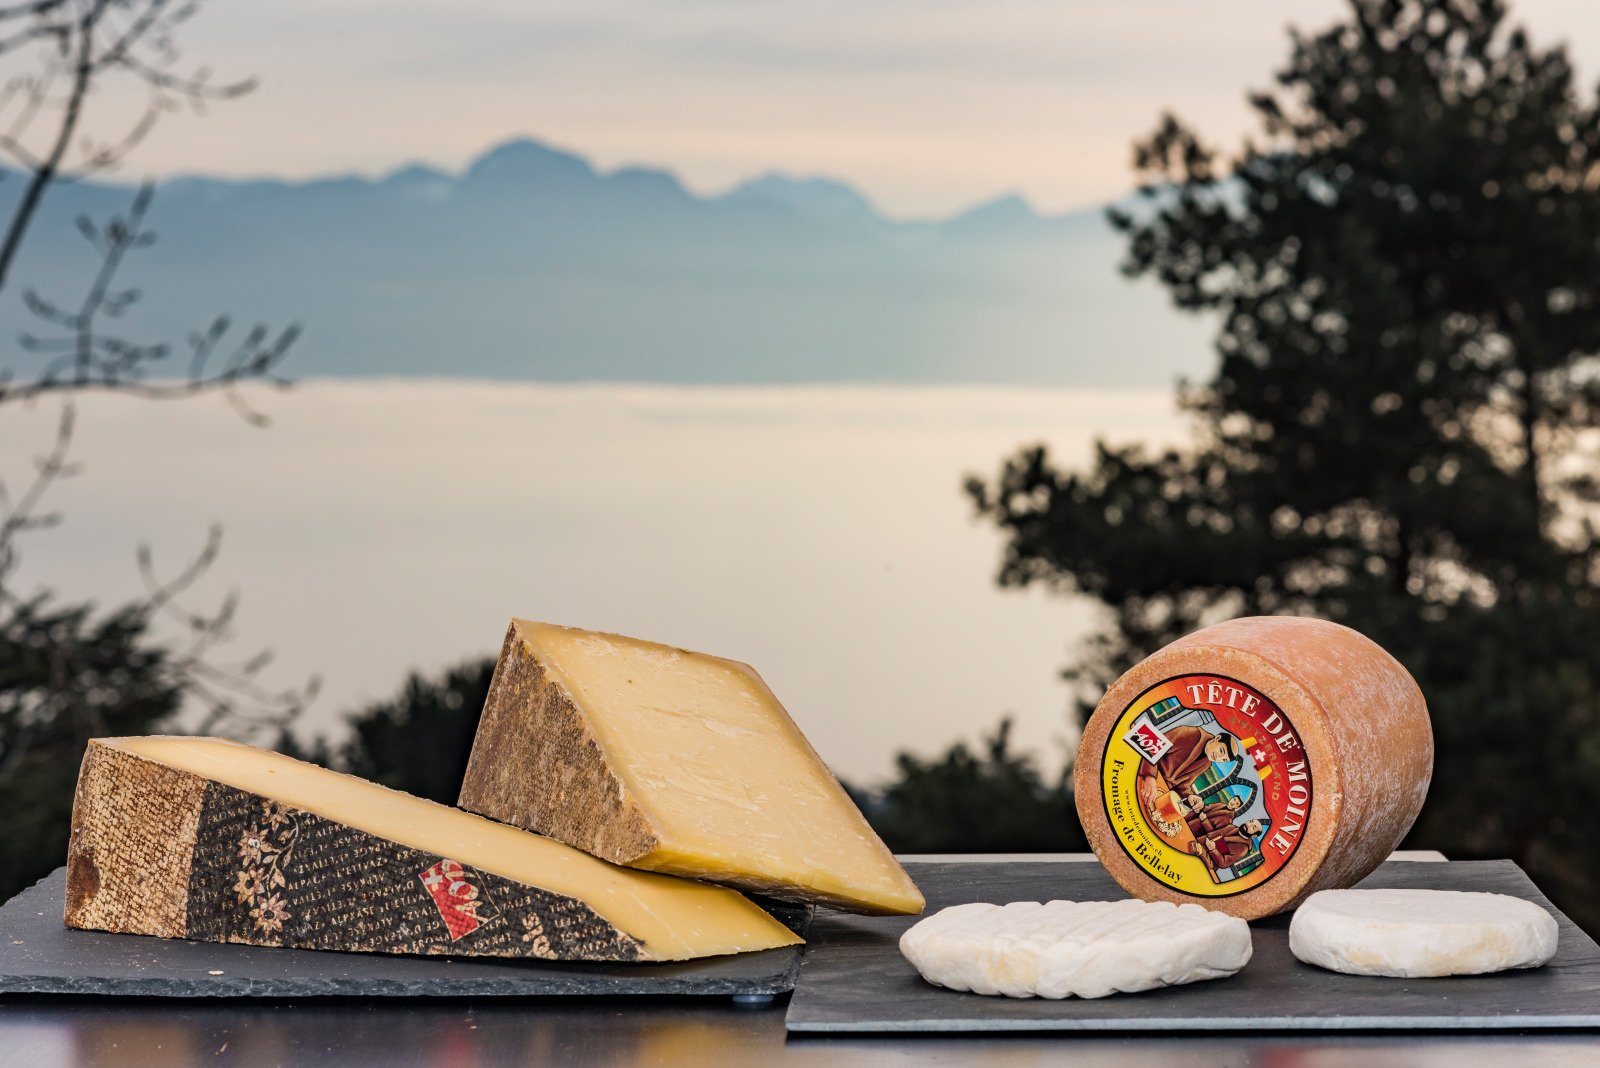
1149	740
455	896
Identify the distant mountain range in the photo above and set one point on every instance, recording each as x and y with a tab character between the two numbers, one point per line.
531	264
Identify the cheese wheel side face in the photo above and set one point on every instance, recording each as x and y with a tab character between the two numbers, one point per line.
1253	763
130	854
1375	722
537	764
1378	728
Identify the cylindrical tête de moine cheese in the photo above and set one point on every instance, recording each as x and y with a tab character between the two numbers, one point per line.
1252	763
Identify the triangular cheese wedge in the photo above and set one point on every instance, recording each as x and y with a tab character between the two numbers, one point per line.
672	761
211	840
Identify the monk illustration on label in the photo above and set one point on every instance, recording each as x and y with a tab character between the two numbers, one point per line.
1202	817
1197	766
1227	846
1194	751
1195	787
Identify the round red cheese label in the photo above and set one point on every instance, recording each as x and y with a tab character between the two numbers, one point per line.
1206	785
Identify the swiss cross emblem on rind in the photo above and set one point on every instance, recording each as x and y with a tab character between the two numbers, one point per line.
456	896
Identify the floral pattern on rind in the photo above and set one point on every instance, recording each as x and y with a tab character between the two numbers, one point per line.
264	852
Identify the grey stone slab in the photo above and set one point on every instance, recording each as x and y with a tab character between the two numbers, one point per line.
853	977
41	955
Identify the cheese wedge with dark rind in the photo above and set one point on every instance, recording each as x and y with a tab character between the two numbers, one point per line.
211	840
672	761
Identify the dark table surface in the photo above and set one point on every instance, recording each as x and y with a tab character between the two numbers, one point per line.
42	1031
697	1032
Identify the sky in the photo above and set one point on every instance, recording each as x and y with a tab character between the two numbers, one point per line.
929	106
817	533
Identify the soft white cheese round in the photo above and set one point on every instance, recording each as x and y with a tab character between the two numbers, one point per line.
1419	933
1085	949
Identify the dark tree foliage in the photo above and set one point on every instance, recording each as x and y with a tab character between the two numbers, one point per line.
419	742
1400	431
66	677
992	801
315	751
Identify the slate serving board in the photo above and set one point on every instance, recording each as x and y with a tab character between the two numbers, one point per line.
853	977
40	955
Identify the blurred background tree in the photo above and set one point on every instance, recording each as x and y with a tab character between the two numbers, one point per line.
1400	434
991	801
419	742
69	672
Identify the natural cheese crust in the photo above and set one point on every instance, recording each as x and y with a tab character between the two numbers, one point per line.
212	840
671	761
1359	723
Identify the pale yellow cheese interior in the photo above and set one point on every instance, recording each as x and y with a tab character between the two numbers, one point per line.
675	918
731	787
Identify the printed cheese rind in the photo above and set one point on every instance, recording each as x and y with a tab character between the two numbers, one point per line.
1252	763
215	841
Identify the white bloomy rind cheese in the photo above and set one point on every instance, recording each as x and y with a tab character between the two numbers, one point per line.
672	761
1421	933
1085	949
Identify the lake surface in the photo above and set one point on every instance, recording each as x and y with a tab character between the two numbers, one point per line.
818	533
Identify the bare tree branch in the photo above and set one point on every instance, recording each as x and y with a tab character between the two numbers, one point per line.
32	33
84	355
83	71
37	7
140	25
72	672
228	692
89	40
76	660
35	90
22	513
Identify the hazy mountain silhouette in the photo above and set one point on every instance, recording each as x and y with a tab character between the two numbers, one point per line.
532	264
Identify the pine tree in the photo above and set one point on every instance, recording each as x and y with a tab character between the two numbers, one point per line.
992	801
1400	433
418	742
66	676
